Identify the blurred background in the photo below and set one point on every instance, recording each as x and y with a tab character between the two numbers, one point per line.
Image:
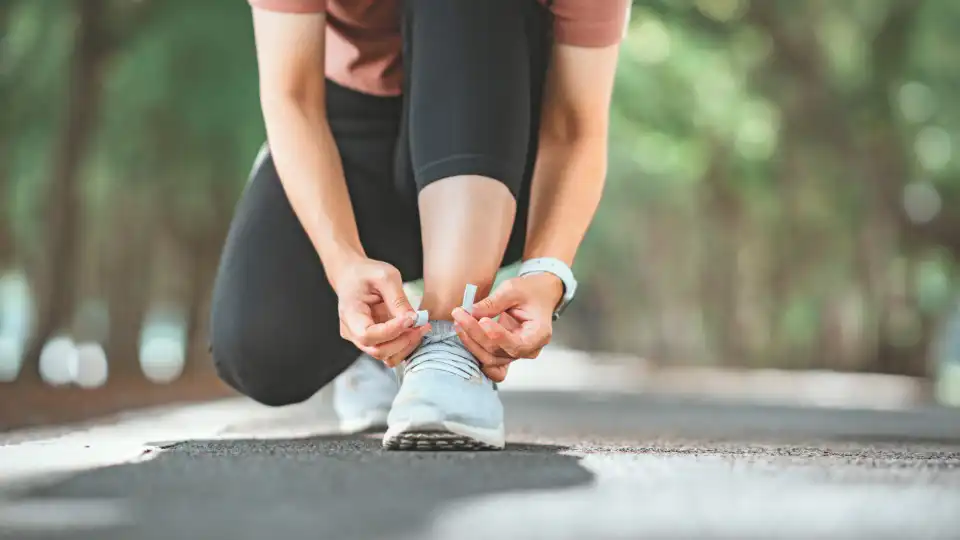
782	196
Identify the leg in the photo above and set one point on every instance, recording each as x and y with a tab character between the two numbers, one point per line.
474	76
475	72
273	314
275	332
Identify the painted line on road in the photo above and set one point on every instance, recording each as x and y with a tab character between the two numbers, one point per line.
671	496
128	441
63	515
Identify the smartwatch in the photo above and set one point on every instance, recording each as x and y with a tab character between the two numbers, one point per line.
558	268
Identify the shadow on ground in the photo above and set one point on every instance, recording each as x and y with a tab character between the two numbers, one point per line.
319	487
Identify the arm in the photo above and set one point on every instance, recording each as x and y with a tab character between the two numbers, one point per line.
572	159
290	57
567	184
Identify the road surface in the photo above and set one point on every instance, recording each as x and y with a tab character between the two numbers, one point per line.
577	466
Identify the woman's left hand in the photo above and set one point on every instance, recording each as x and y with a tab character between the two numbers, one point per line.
525	307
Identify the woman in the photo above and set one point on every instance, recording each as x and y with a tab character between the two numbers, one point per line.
434	139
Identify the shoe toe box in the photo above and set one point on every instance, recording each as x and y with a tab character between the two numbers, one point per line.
434	397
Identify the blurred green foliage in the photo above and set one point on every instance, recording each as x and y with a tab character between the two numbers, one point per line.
782	188
783	185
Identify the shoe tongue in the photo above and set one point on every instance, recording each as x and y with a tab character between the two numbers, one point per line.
442	350
440	331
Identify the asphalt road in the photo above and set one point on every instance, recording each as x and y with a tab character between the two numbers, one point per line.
577	467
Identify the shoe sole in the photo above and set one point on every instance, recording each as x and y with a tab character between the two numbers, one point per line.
443	436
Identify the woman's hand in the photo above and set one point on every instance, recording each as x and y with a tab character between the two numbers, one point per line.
525	307
375	314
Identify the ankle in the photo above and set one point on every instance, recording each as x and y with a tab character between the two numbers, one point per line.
440	309
441	306
438	312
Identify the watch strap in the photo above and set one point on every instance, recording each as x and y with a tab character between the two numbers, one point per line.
558	268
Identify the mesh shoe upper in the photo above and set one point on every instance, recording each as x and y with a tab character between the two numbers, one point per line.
442	382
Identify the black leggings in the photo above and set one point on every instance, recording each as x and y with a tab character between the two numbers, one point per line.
474	75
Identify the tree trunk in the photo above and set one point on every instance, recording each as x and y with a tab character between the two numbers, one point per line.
6	234
57	290
204	249
7	246
899	356
202	271
874	249
128	292
720	276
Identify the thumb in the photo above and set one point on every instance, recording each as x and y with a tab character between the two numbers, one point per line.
356	317
504	298
394	297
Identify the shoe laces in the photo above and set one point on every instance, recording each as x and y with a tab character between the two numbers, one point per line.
442	350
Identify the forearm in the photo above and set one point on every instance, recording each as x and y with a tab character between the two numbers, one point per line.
311	173
567	187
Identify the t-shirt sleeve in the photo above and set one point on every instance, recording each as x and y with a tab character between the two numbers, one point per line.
590	23
291	6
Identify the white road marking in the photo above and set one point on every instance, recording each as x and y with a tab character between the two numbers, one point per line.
59	515
677	496
124	442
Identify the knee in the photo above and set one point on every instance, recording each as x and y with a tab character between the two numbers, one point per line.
257	364
260	387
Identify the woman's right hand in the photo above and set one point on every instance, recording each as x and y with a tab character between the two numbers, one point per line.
375	314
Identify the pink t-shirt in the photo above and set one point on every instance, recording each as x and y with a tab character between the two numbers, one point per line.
363	36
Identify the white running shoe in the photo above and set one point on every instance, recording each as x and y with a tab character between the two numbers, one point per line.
362	395
445	402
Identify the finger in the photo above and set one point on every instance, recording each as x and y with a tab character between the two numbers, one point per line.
485	357
370	351
390	287
536	333
379	311
397	349
355	317
521	315
506	340
473	329
406	342
495	373
502	299
389	330
376	334
507	321
416	336
524	341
